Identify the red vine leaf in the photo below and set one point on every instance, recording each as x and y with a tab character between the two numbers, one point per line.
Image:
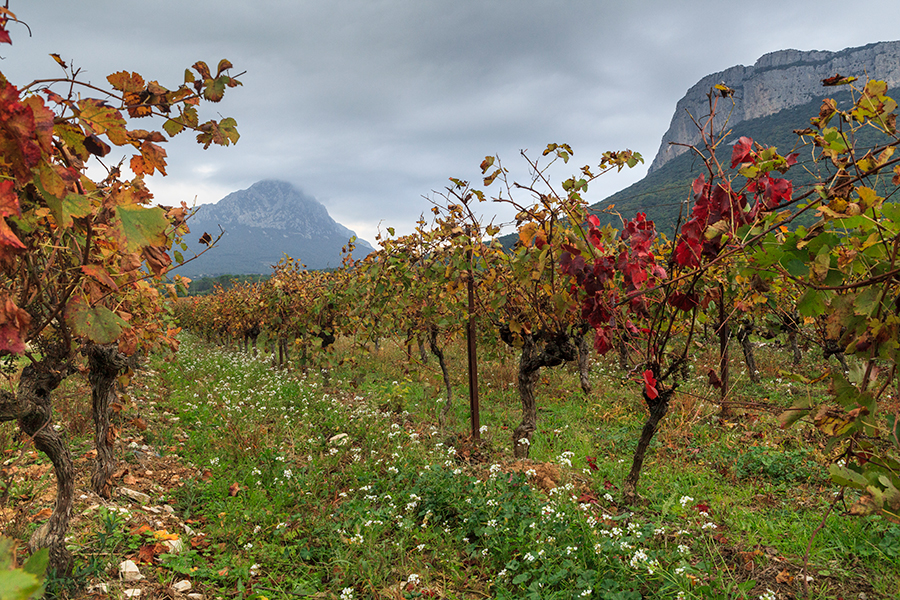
650	385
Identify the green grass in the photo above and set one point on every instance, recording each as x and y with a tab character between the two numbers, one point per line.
341	485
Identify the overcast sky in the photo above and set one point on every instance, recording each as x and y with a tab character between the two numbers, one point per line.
370	105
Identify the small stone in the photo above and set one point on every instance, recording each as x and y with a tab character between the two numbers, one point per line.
168	509
129	571
196	596
181	586
135	495
132	593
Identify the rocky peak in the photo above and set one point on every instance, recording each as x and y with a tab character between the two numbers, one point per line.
262	224
777	81
271	204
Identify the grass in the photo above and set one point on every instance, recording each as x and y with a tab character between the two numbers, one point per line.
340	484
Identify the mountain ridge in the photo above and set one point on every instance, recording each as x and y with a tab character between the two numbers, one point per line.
777	81
262	224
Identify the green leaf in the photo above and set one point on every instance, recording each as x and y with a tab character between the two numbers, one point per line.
190	116
521	578
73	205
214	89
103	119
795	267
812	304
17	585
891	210
867	301
7	546
221	133
844	476
37	563
73	137
97	323
797	411
142	226
173	127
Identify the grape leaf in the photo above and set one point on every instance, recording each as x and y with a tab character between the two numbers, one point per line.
64	209
141	226
97	323
126	82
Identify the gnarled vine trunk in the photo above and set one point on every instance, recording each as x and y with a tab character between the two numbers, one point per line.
790	323
529	369
658	408
105	362
31	407
796	355
743	336
540	350
423	353
445	372
584	363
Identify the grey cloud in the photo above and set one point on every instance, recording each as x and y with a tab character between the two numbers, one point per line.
369	105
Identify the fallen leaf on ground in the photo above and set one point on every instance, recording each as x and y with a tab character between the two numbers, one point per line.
784	577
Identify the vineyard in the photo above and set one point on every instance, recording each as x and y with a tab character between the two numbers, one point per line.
449	417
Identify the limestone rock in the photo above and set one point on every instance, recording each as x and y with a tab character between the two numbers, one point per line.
777	81
128	571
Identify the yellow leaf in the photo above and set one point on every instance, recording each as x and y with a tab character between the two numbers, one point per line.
527	233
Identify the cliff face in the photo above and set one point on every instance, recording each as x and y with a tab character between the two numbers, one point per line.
777	81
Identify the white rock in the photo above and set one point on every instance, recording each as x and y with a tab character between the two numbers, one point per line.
338	439
135	495
181	586
129	571
132	593
174	546
196	596
168	509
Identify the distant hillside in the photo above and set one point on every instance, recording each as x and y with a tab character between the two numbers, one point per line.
772	98
262	224
665	191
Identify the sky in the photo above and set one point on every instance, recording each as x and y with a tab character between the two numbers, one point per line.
370	106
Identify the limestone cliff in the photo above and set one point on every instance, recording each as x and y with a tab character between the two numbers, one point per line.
777	81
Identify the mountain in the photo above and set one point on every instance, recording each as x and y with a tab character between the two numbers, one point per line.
262	224
775	96
777	81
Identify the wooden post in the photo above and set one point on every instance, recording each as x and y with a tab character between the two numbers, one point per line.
724	336
473	357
